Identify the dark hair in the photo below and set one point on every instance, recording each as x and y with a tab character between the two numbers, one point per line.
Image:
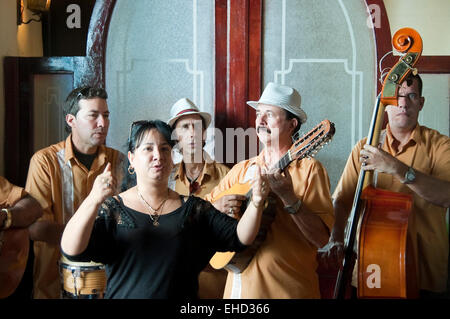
290	116
410	80
71	105
139	128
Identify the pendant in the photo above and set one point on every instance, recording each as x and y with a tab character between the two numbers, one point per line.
155	223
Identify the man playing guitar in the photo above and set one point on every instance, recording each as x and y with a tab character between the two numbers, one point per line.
284	266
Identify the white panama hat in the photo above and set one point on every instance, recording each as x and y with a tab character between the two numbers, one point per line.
184	107
282	96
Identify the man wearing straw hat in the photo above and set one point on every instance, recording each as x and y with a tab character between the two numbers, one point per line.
284	266
197	174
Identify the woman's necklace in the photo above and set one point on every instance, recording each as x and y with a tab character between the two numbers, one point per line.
154	216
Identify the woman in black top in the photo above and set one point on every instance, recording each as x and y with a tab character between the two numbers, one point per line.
153	241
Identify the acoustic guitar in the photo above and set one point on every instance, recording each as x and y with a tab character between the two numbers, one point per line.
14	247
304	147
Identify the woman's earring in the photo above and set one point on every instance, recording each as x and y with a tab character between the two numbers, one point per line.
131	170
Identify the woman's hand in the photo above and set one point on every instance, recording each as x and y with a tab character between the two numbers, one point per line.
260	188
248	225
104	186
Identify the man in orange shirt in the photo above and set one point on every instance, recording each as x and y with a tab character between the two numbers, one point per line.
18	211
284	265
61	176
197	174
18	208
413	159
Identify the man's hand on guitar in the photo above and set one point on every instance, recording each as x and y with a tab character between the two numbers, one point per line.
281	184
260	188
230	204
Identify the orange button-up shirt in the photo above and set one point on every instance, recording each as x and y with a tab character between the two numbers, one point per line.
427	151
60	183
9	194
284	266
211	282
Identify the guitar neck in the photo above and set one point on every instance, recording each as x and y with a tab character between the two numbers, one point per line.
284	161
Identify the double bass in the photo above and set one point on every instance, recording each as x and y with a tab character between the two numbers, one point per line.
379	218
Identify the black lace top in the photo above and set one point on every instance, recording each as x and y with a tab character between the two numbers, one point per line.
144	261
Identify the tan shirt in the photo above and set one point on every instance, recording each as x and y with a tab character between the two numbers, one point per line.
210	176
428	152
284	266
211	281
10	194
60	183
13	255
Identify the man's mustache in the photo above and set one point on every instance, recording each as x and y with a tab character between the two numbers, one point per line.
263	128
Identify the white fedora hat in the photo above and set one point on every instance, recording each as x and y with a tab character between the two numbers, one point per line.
184	107
282	96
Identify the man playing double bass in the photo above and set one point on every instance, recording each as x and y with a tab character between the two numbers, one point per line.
411	159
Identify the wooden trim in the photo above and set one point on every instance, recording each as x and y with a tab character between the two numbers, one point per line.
221	64
12	119
255	57
434	64
245	61
238	67
94	68
19	104
383	43
237	92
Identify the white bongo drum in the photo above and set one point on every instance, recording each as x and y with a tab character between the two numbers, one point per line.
82	280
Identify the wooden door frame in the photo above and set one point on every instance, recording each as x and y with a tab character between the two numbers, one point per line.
19	105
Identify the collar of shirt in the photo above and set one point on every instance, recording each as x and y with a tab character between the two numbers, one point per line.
208	169
413	139
69	154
